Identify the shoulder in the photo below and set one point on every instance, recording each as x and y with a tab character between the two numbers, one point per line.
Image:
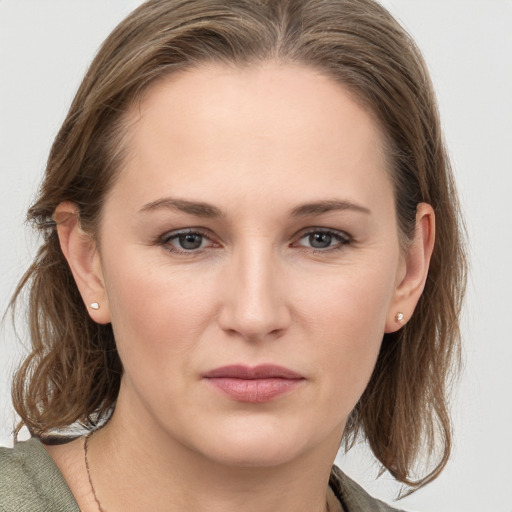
353	497
30	480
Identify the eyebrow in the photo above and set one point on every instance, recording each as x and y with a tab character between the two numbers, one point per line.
319	207
200	209
196	208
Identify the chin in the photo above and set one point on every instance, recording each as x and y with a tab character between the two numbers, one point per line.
254	455
257	445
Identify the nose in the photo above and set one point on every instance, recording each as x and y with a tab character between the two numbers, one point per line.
254	304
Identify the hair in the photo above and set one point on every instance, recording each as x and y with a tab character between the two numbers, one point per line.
73	372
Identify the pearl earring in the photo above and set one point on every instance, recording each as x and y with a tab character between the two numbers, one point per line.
399	317
94	305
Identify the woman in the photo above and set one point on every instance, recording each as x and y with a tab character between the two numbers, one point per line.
239	271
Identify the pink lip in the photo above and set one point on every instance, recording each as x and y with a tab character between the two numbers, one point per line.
254	384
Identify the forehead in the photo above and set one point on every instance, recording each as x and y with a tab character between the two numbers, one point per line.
260	126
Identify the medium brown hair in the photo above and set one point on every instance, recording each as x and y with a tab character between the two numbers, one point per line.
73	372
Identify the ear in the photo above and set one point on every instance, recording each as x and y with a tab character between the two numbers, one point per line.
414	270
80	251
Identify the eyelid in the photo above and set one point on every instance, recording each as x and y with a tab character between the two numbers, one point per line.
169	235
343	237
166	239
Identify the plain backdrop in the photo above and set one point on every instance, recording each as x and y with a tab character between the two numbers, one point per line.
45	47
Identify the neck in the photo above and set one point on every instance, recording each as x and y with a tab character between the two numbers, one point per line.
133	467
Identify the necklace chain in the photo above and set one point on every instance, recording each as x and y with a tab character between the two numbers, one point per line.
86	443
100	508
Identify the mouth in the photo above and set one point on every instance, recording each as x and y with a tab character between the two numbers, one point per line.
257	384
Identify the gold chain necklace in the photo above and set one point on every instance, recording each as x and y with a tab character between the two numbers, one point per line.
100	508
86	443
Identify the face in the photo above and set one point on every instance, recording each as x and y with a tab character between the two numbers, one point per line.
250	257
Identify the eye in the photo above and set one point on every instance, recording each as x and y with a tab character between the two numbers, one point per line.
186	241
323	239
190	241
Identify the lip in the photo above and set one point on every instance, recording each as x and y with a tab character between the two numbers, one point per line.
257	384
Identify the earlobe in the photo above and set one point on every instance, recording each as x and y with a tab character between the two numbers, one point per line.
80	251
416	262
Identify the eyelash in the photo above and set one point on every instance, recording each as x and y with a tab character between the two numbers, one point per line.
340	237
166	240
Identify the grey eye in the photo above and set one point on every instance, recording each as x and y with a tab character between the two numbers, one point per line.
320	240
190	241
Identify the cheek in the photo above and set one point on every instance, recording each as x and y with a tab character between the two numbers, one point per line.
354	299
348	320
155	313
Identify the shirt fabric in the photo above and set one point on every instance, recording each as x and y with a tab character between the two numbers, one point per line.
30	481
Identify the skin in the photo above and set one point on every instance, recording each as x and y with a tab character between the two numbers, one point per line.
256	145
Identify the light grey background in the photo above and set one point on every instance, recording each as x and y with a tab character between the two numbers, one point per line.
45	47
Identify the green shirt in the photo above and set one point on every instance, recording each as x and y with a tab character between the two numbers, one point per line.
31	482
